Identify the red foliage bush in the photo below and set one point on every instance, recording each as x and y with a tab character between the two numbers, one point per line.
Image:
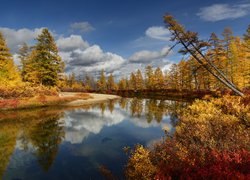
211	141
212	165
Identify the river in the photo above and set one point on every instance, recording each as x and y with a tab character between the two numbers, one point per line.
73	143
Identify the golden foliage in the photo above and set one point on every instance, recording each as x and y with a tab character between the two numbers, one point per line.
211	133
139	166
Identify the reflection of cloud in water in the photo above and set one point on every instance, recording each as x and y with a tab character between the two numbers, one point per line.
80	123
21	158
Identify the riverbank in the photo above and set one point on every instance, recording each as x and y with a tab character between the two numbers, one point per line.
94	98
63	99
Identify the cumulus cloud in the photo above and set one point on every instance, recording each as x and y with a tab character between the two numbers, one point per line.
148	56
82	27
71	43
158	32
81	57
15	38
92	59
218	12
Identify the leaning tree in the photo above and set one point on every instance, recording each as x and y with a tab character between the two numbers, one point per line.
195	47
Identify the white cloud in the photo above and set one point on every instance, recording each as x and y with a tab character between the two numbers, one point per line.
148	56
158	32
92	59
218	12
75	51
82	26
155	36
15	38
72	42
80	57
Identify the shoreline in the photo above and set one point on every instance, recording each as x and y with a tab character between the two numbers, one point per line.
94	98
64	99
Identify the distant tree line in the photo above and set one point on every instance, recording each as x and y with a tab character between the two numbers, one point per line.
42	65
230	54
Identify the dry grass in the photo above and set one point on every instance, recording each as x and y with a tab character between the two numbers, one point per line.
40	101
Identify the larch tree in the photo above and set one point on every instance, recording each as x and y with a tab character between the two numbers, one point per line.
173	77
196	47
227	40
46	60
132	82
122	84
217	55
247	57
139	80
247	41
159	79
111	83
101	83
184	75
149	77
88	83
9	74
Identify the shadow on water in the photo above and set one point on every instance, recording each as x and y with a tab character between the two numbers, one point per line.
73	143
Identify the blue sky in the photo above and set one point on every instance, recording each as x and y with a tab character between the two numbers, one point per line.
116	35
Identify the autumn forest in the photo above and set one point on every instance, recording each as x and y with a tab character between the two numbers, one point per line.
197	112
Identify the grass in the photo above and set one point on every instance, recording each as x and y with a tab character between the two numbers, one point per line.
40	101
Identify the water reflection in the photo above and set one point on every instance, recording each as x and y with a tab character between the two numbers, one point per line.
48	143
45	136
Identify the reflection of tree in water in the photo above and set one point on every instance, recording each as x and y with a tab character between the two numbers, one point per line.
8	134
102	107
155	109
123	103
111	105
136	107
174	108
46	135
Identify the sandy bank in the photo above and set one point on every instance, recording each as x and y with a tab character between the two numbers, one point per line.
95	98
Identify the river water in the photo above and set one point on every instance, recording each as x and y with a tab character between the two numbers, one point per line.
73	143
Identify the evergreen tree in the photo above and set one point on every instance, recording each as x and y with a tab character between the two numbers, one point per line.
8	71
46	60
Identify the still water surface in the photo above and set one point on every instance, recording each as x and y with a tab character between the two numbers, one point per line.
74	143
